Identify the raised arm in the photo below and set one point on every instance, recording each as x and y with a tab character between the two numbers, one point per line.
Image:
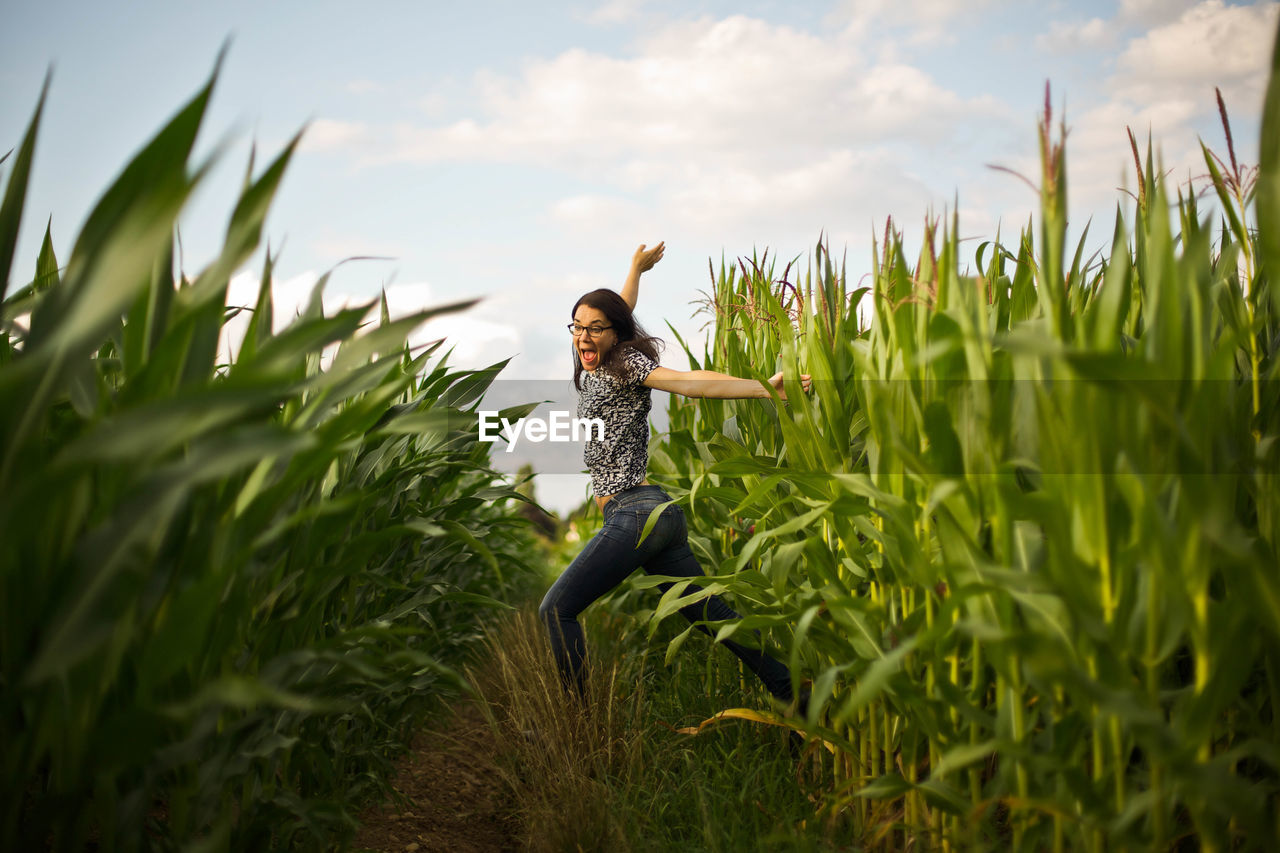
641	262
708	383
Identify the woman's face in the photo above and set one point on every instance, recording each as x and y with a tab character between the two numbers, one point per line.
592	348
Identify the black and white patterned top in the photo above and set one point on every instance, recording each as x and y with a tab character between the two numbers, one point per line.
617	395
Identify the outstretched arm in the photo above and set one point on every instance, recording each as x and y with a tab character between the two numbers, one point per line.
641	262
708	383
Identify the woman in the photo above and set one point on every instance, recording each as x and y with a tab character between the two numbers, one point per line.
615	368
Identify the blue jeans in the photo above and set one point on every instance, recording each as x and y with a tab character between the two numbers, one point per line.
611	556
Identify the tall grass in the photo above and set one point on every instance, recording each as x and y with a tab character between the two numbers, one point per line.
561	757
618	772
227	590
1023	534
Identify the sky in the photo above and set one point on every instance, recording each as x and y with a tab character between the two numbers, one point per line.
520	152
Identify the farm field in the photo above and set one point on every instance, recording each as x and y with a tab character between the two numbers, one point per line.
1019	545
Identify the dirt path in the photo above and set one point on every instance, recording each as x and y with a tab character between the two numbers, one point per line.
457	799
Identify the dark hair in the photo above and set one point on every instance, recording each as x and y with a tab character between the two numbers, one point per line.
629	332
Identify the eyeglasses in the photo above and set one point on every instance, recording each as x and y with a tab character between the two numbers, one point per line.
589	331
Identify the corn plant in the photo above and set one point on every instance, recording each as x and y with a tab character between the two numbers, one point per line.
228	591
1022	535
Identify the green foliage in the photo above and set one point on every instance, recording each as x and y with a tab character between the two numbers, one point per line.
227	590
621	772
1023	533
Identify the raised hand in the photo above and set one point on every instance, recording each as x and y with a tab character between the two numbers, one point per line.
644	259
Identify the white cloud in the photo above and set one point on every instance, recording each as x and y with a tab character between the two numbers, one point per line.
925	21
1162	87
1099	158
596	212
736	132
327	134
859	185
1071	37
288	296
691	87
477	342
404	299
615	12
1210	44
732	131
716	124
697	89
433	104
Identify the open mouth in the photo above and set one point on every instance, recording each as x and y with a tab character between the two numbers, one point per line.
588	357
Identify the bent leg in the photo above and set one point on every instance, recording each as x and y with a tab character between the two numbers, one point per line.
603	564
680	562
